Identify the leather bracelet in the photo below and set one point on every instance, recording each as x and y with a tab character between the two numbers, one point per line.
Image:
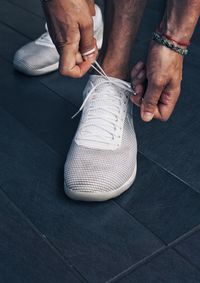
165	42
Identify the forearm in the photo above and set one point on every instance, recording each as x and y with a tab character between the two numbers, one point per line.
180	19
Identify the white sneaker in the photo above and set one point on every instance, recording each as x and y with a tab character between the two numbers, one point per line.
101	163
40	57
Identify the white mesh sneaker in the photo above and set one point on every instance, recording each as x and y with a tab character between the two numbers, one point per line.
101	163
40	57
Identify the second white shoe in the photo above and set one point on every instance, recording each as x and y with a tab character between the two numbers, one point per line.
101	163
40	57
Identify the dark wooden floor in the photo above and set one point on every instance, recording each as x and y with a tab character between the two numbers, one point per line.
149	234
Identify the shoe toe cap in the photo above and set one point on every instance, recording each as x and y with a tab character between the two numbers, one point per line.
33	60
96	179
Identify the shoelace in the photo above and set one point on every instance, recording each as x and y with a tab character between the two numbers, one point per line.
102	111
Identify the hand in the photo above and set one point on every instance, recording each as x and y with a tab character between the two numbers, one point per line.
70	25
163	75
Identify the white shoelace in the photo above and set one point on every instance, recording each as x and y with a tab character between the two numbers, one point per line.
103	110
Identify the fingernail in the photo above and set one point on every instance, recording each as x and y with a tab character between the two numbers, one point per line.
147	116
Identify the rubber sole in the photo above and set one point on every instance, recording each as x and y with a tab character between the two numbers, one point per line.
104	196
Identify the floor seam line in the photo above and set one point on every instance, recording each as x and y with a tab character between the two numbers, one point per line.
187	259
43	237
24	9
32	133
137	264
59	95
15	30
184	236
169	172
157	253
133	216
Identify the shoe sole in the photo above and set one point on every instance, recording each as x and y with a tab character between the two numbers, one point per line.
89	196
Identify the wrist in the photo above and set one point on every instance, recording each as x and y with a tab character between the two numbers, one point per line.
174	37
178	35
160	39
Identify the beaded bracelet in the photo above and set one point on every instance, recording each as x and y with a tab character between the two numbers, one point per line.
165	42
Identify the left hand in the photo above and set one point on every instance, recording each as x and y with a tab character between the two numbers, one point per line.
163	74
70	25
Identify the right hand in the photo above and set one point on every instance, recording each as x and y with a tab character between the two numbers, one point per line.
163	74
70	25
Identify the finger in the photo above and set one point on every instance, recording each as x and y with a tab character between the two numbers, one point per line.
92	54
140	78
137	99
71	64
167	103
150	102
67	58
79	58
78	71
87	41
136	69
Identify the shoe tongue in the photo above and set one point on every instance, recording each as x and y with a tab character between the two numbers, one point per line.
117	83
95	79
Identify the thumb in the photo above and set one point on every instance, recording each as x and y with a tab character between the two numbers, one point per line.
150	101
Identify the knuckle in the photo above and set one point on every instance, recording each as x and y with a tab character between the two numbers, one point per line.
157	81
64	71
149	104
67	73
88	25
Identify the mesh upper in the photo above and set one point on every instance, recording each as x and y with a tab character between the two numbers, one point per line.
90	170
26	60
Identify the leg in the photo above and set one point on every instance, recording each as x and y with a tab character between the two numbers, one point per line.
122	20
102	161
